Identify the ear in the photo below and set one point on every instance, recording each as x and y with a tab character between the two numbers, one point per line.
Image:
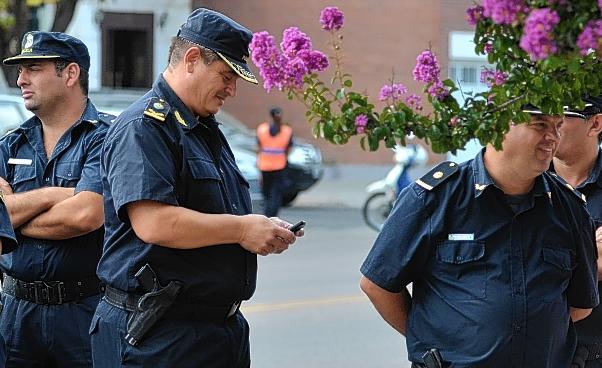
596	127
72	72
191	57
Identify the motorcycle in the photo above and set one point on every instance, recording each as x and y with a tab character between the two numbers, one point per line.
383	193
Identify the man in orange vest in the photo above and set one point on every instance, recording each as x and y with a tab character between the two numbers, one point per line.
274	142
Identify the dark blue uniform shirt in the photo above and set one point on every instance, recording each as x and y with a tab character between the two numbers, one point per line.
180	161
7	233
75	163
589	330
491	287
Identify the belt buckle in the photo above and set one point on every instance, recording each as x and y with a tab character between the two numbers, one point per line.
40	292
233	309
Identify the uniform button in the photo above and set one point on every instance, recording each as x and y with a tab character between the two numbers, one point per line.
47	180
68	174
234	206
458	258
517	327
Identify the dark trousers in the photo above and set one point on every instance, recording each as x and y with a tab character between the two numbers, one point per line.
181	343
47	336
273	183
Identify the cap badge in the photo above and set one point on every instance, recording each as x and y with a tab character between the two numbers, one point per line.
28	43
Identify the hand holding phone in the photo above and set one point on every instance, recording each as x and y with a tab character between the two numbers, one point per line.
298	226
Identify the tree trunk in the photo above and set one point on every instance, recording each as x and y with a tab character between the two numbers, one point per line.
64	14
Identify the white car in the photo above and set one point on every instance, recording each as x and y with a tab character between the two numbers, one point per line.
12	113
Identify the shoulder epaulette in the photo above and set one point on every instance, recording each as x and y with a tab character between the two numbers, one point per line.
106	118
437	175
563	183
157	109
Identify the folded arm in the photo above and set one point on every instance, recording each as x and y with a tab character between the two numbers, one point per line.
77	215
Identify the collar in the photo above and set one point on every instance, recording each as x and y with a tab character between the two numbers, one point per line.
482	179
182	114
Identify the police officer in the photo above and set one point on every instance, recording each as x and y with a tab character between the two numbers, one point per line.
181	244
274	141
579	161
501	256
53	193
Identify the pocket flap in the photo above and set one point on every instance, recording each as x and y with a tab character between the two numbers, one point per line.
68	170
24	173
559	257
459	252
201	169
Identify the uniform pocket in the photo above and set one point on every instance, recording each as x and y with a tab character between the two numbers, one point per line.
558	266
460	270
204	184
23	177
203	170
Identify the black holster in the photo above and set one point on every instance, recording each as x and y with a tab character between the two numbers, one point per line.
432	359
151	306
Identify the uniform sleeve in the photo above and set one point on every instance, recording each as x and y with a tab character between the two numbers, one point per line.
401	249
582	291
90	177
4	156
7	234
139	165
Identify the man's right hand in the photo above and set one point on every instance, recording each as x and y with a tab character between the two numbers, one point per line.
263	236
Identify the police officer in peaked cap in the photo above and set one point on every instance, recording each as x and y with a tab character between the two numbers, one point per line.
500	254
51	184
181	243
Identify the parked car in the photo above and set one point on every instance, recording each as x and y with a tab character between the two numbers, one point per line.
12	113
304	160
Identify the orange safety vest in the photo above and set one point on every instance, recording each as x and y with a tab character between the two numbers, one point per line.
272	149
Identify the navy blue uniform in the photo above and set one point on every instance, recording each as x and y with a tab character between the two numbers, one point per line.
492	279
589	330
158	150
9	243
55	334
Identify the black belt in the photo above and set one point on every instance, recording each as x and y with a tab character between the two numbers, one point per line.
51	292
180	310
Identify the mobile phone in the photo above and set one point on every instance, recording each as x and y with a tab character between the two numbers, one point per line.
298	226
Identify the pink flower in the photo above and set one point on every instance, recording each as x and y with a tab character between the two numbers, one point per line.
393	92
454	121
493	77
474	14
591	37
537	39
331	18
414	101
427	67
438	90
503	11
361	121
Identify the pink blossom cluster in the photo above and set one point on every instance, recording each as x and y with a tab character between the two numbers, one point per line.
493	77
285	67
503	11
414	101
427	70
392	92
474	14
331	18
537	39
361	122
591	37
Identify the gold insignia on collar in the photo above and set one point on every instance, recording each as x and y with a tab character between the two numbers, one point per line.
480	187
569	186
180	119
438	175
549	194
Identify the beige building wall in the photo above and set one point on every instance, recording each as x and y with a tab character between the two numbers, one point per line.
380	36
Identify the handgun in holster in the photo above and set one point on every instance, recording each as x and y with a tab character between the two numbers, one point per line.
151	306
432	359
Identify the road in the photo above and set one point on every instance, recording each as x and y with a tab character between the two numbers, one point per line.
308	310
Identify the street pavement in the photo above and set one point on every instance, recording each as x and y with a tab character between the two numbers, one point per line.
308	310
